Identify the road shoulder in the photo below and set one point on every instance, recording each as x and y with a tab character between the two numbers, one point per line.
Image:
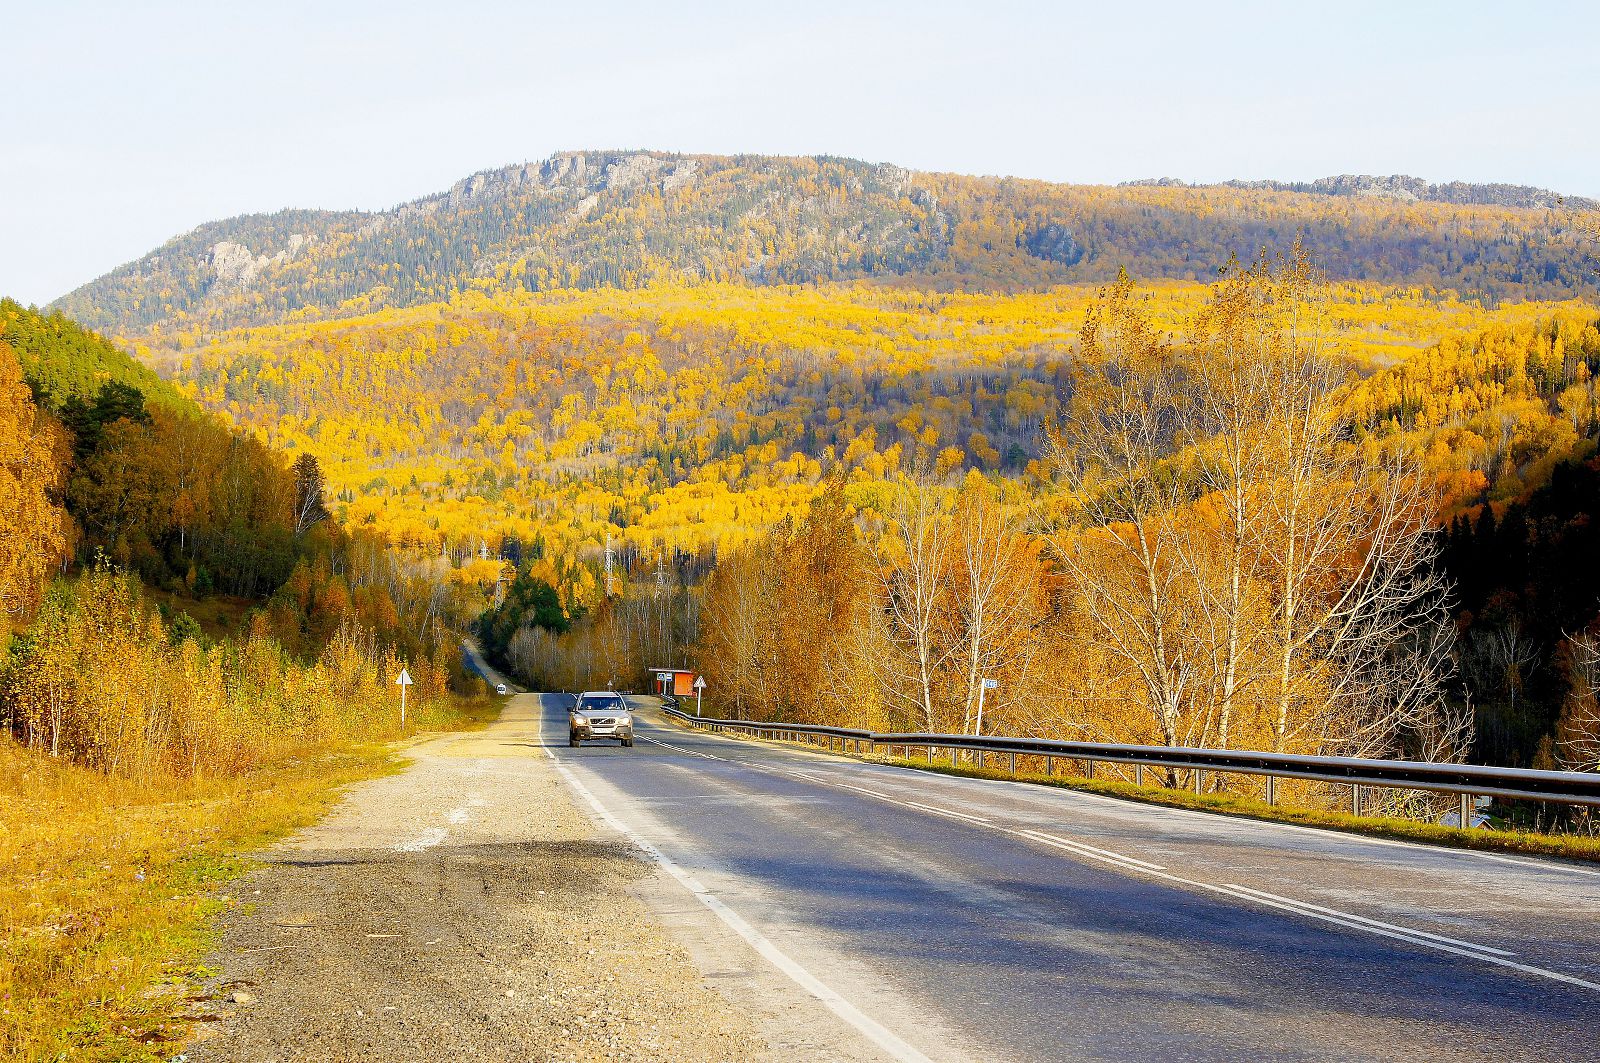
464	907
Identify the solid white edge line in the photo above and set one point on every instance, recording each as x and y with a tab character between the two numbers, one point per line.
869	1027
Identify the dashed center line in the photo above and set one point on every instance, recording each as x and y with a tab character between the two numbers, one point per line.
1087	850
680	749
1305	909
1371	922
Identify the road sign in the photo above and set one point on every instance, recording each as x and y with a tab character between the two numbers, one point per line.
983	688
402	681
699	692
700	682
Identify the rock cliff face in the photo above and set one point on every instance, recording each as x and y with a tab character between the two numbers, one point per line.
588	171
235	267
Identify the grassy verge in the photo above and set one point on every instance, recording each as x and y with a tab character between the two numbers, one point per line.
1569	846
108	887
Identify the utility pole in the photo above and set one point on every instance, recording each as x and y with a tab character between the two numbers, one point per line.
608	564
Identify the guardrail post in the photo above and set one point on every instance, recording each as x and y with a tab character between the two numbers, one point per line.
1355	799
930	752
1199	780
1013	764
1138	775
1090	765
1466	811
1050	766
1272	789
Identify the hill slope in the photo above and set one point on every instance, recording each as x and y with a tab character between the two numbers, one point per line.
62	361
628	219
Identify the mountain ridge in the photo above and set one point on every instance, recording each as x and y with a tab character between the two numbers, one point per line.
593	219
1400	188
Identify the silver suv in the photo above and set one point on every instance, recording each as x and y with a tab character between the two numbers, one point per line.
599	714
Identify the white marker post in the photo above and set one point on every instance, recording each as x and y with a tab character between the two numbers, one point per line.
699	692
985	687
402	681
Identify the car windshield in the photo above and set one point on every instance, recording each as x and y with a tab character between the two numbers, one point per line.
601	705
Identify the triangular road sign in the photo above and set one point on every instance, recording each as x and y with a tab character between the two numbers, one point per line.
403	679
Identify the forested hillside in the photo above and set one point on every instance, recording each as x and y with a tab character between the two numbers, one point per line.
109	469
668	361
193	654
634	219
686	417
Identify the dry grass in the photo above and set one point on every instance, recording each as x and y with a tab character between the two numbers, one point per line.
107	888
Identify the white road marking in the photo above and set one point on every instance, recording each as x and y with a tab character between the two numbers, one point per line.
909	804
1088	850
1482	953
678	749
426	840
871	1028
1373	922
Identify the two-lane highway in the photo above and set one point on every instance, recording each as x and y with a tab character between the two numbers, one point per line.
958	919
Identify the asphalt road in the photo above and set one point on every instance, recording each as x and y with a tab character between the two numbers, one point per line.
961	919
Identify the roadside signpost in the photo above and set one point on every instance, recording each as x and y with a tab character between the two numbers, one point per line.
983	688
402	681
699	692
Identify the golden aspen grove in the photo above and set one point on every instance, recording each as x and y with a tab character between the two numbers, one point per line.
675	357
1305	468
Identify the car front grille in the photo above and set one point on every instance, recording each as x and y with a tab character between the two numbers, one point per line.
601	721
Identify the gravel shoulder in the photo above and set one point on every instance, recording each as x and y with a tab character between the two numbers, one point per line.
465	908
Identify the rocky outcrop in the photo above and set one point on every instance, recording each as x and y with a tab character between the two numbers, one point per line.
234	266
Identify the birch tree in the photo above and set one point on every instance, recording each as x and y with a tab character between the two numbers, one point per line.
995	594
1118	541
1577	733
915	570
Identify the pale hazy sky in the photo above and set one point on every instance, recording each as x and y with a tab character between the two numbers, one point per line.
127	123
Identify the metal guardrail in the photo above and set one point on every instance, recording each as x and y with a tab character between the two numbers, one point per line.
1466	780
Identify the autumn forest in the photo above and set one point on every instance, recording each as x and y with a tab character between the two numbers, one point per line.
1303	468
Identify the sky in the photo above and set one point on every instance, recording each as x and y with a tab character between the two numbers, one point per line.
128	124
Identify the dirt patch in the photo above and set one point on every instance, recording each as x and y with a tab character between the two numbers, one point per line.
463	908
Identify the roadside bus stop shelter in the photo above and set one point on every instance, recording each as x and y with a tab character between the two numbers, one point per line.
673	682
